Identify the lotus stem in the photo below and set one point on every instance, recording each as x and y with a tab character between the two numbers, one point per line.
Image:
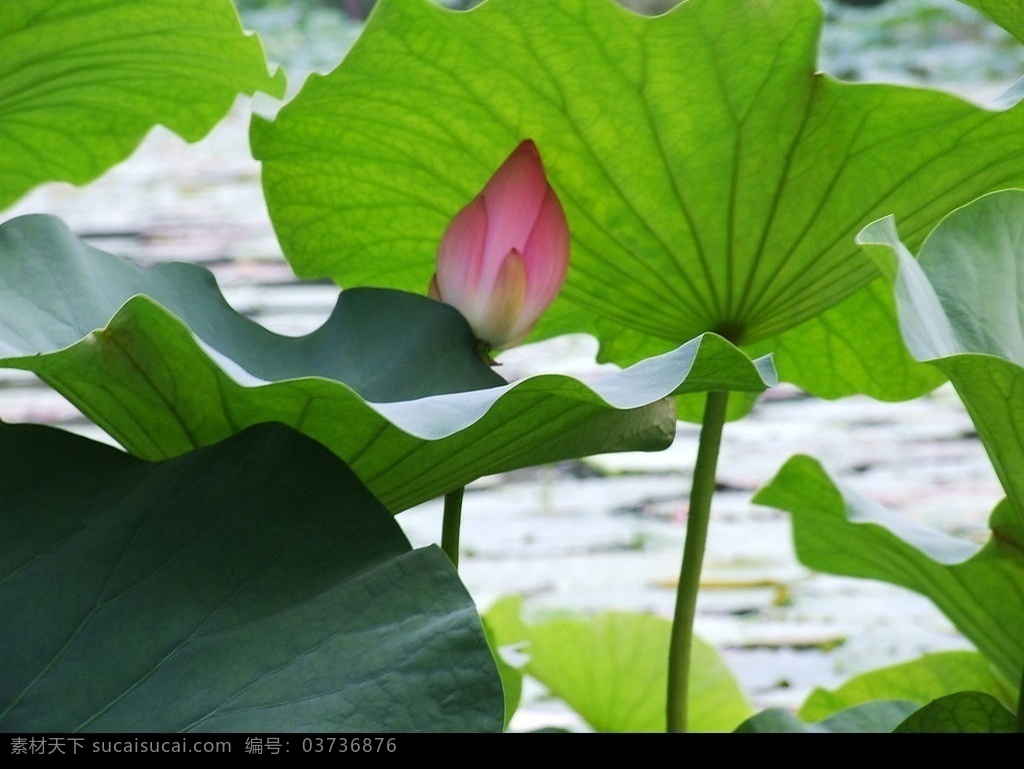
452	523
701	492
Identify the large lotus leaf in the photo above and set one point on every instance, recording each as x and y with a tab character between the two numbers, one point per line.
82	82
879	717
854	347
55	290
961	713
979	588
612	669
1006	13
251	586
961	308
172	367
713	180
920	680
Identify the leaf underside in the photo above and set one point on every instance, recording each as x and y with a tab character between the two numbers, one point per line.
392	382
979	588
713	180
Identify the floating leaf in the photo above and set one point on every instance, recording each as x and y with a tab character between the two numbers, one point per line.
81	83
980	588
921	680
612	669
962	713
713	180
173	367
251	586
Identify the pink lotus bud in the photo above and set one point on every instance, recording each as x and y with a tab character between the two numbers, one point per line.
503	258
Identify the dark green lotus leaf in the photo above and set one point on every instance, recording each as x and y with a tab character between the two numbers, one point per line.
979	588
920	680
961	309
55	290
713	180
159	360
961	713
250	586
879	717
82	82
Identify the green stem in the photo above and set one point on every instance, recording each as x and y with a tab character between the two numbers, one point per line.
701	492
451	524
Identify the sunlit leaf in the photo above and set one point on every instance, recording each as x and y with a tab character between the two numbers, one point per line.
962	713
713	180
920	680
82	82
612	669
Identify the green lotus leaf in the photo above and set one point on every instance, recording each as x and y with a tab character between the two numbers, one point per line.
980	588
920	680
713	180
81	83
961	713
961	309
391	383
612	669
250	586
879	717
